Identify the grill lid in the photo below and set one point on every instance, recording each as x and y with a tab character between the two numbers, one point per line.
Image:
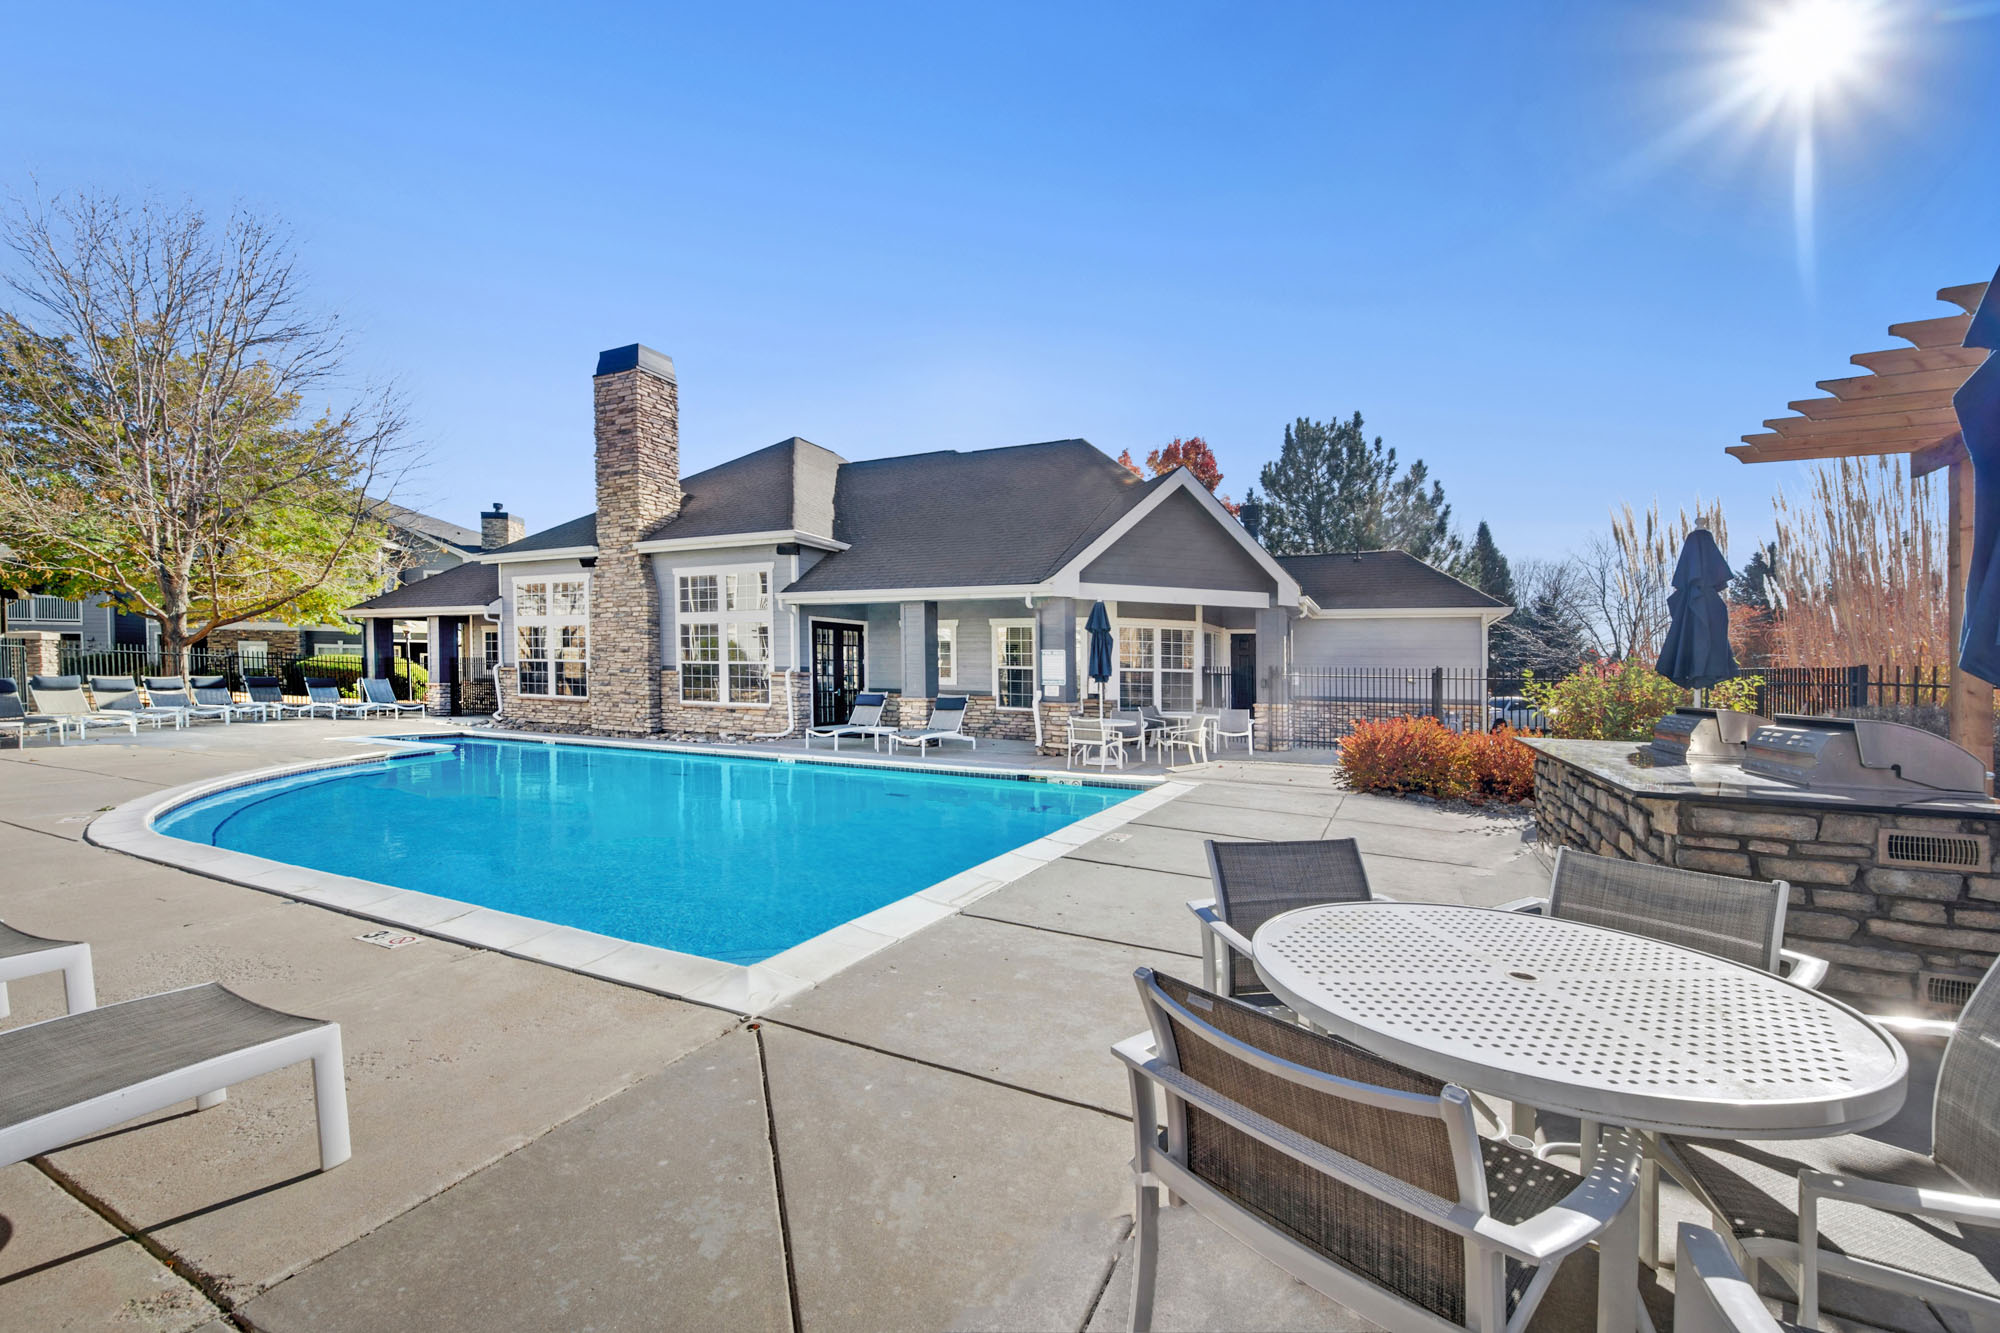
1861	753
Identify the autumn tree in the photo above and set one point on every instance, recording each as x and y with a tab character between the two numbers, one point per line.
1193	454
1332	489
162	433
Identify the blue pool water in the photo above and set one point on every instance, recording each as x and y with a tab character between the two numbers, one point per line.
732	859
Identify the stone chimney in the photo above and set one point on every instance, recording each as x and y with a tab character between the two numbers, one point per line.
638	488
498	528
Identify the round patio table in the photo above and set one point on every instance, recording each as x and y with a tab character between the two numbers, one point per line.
1612	1028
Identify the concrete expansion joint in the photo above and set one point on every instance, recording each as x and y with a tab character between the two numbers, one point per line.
778	1179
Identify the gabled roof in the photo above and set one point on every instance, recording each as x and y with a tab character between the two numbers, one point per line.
1384	581
787	487
424	525
991	518
468	585
562	537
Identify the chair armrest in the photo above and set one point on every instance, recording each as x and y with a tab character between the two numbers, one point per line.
1582	1214
1536	905
1211	920
1936	1029
1976	1209
1805	970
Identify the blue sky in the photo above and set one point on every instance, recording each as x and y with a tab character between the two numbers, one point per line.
892	229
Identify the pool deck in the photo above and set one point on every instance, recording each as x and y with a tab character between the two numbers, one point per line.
935	1137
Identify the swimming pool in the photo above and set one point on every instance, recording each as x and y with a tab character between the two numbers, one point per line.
732	859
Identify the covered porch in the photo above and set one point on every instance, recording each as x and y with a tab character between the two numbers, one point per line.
449	624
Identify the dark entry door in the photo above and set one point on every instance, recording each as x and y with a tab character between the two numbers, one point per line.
838	653
1242	670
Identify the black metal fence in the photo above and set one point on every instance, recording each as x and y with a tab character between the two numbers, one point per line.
344	669
1811	690
1320	705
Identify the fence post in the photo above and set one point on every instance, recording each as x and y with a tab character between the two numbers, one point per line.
41	652
1857	687
1437	693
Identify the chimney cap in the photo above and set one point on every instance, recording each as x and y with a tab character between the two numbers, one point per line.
635	356
499	509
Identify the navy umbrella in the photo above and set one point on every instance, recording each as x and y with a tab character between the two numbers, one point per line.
1099	626
1978	404
1696	654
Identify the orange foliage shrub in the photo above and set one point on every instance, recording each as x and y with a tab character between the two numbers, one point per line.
1417	755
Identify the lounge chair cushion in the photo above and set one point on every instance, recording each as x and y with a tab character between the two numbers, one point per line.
1757	1186
46	1067
14	943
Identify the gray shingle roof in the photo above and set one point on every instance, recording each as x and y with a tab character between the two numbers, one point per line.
1381	580
424	525
989	518
786	487
561	537
469	584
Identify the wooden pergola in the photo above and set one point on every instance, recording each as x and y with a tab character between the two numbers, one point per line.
1902	405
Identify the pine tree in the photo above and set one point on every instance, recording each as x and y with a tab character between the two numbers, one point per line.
1752	585
1333	489
1485	568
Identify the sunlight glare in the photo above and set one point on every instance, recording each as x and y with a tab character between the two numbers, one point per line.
1810	47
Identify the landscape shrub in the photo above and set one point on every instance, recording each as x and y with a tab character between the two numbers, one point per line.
1606	701
1503	769
1407	755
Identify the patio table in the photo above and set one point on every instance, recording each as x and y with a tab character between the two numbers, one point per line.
1612	1028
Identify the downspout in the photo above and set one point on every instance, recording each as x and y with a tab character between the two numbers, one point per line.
499	699
791	714
1029	600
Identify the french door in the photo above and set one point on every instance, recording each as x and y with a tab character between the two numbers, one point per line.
839	652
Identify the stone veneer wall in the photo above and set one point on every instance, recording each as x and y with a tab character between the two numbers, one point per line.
1879	926
738	721
281	642
637	414
566	717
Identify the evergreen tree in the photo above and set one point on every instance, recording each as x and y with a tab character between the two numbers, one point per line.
1486	569
1752	585
1333	489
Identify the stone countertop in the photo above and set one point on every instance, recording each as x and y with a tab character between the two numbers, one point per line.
1623	765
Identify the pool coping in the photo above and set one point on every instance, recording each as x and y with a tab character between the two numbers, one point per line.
747	989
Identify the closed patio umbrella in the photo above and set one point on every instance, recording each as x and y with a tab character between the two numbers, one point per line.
1696	654
1099	626
1978	405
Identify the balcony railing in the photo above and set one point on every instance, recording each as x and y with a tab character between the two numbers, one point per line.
45	610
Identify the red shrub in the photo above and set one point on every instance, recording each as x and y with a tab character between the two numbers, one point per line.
1502	767
1406	754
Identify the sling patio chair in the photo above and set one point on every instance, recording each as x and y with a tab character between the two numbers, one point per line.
1922	1227
25	955
1101	741
1190	735
115	694
66	1078
63	697
1742	920
863	720
172	692
1711	1295
1255	881
270	692
947	723
380	695
15	717
214	692
1149	729
323	695
1234	724
1365	1180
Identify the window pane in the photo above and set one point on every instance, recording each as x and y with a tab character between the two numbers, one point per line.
698	592
569	597
731	600
532	650
1177	691
749	683
701	683
763	591
1177	650
1016	687
1017	646
701	641
531	599
1135	688
947	652
1135	647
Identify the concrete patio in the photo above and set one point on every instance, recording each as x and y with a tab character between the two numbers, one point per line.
934	1138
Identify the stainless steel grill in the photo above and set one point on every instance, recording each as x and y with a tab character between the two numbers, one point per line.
1860	754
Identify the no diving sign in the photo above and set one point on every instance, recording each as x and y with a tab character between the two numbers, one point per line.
388	939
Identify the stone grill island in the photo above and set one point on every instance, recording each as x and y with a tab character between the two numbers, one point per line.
1884	832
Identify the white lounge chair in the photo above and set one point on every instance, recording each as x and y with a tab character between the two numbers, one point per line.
66	1078
270	692
947	724
1101	741
25	955
864	720
63	697
172	692
322	695
380	695
120	694
214	692
15	717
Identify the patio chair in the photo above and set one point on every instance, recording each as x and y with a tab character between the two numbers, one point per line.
270	692
323	695
116	694
172	692
947	724
1922	1226
1149	731
1711	1295
863	720
1234	724
66	1078
1255	881
381	695
1364	1180
25	955
214	692
1742	920
1099	737
16	718
63	697
1191	735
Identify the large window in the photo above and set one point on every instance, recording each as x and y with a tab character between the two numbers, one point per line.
1156	666
723	618
552	636
1014	663
947	652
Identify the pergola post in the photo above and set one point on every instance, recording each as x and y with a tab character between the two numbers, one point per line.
1969	705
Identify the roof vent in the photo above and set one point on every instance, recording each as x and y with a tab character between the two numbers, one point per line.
1936	851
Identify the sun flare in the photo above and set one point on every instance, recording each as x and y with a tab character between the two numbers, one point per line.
1809	48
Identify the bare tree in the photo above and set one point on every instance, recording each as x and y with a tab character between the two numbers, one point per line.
155	434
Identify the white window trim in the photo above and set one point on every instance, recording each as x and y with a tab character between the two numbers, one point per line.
550	620
948	628
1000	628
1119	669
722	618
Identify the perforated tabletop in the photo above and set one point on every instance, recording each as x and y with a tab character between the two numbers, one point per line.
1603	1025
